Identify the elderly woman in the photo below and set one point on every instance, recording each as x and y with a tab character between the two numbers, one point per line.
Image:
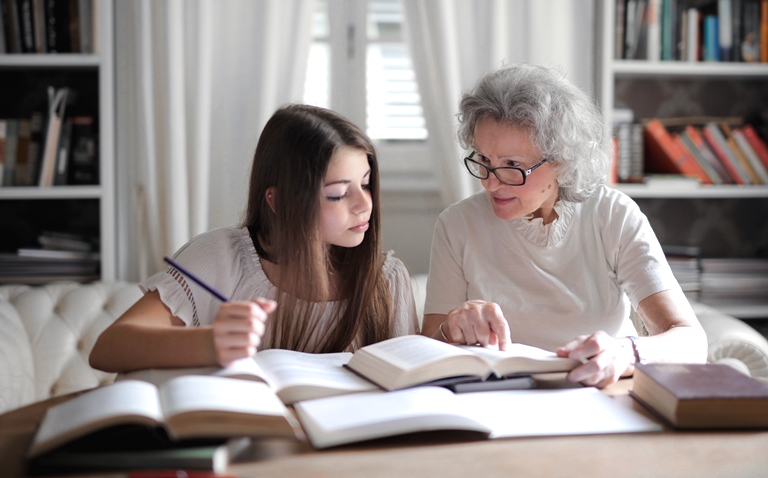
547	255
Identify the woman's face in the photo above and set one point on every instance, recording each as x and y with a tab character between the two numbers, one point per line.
501	144
346	198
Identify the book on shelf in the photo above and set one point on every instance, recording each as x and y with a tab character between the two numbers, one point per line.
190	407
292	376
11	144
750	155
757	143
62	154
663	154
3	133
56	253
702	395
47	26
706	175
211	455
410	360
57	102
83	156
739	155
715	139
347	419
694	134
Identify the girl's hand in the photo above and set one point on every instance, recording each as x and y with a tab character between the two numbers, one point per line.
477	322
605	358
238	328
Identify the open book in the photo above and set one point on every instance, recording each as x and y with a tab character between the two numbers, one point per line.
411	360
347	419
293	376
183	408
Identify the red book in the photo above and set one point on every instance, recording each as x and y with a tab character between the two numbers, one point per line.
757	143
664	155
703	175
709	155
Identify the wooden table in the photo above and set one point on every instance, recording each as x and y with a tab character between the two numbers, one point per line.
456	454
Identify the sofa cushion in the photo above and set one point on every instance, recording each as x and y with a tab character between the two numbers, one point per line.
48	334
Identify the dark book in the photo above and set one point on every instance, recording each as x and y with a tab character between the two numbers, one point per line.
62	155
702	395
26	26
12	27
83	156
57	26
86	456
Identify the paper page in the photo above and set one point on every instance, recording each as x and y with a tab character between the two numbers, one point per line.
580	411
244	368
197	393
350	418
412	351
286	368
521	353
127	398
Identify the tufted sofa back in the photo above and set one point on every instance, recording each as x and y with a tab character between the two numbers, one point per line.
47	333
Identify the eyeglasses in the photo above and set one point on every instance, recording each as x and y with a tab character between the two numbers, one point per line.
508	175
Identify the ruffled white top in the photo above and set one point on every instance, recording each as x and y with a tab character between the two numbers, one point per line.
226	260
553	282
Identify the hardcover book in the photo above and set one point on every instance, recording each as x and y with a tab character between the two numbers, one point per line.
411	360
665	155
702	395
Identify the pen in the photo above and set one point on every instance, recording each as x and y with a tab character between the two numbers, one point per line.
194	278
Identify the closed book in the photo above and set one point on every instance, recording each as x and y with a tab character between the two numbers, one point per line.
708	176
663	154
695	135
702	395
745	164
11	142
764	31
757	143
725	24
719	145
750	155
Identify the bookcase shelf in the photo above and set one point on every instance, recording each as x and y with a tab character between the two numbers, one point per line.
88	209
722	220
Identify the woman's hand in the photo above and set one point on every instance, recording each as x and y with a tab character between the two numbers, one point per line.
605	358
477	322
238	328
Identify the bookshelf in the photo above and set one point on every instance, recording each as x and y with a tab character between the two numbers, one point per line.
672	89
87	208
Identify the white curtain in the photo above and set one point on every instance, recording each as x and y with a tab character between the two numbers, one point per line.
454	42
196	81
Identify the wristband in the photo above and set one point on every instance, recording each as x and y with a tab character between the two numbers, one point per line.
639	358
443	333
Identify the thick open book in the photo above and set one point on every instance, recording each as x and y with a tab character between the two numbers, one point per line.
411	360
347	419
183	408
293	376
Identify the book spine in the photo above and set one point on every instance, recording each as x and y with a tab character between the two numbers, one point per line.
725	34
618	53
711	175
711	40
27	26
688	165
750	155
761	149
754	178
653	25
764	31
719	144
692	39
3	129
11	140
708	154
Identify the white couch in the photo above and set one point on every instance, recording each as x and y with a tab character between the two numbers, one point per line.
48	332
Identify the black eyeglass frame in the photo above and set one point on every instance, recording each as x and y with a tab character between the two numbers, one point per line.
524	172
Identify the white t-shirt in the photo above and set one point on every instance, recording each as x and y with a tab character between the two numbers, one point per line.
553	282
227	261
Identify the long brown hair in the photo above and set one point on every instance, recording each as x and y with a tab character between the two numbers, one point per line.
292	156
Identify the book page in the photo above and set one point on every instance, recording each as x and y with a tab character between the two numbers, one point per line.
350	418
413	351
521	358
244	368
309	374
579	411
97	409
195	393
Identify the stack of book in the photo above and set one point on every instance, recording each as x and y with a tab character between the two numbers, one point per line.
712	150
679	30
734	281
61	256
684	262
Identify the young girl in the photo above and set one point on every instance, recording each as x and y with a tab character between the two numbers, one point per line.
309	253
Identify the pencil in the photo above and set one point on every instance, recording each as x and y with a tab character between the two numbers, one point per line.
194	278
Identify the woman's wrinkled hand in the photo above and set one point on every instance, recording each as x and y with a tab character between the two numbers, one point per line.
239	327
477	322
604	358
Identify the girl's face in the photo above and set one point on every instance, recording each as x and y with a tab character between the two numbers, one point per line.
501	144
346	198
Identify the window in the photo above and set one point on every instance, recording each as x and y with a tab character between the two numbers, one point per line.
378	89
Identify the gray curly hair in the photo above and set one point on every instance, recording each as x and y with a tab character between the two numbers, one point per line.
564	123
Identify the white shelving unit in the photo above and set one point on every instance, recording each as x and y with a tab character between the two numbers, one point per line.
611	71
101	65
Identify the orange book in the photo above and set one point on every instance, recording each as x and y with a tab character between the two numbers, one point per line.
707	152
764	31
663	154
704	176
757	143
753	176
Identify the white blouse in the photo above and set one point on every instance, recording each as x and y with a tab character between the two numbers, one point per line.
226	260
